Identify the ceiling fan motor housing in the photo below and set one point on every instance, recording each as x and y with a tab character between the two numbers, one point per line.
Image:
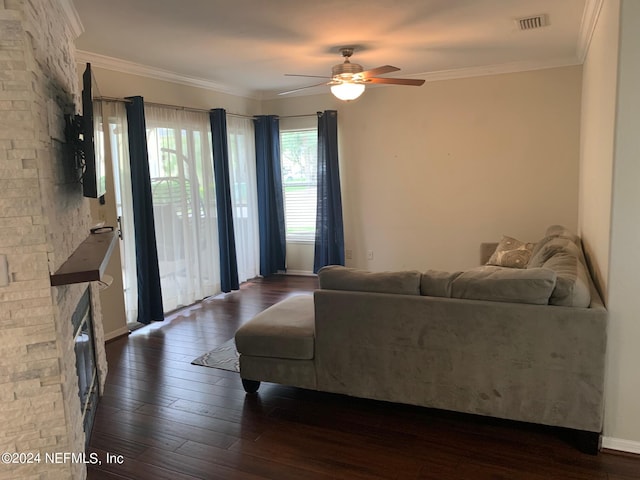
346	70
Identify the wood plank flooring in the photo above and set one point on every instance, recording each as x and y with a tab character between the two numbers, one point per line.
172	420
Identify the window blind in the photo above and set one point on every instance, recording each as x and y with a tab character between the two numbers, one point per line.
299	162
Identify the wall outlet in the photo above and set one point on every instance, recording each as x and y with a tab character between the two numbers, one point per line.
369	254
348	254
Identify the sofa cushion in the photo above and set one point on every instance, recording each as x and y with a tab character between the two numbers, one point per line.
511	253
550	246
572	284
498	284
562	232
561	252
284	330
435	283
556	237
336	277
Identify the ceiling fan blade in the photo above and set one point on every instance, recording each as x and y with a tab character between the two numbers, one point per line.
396	81
301	88
378	71
308	76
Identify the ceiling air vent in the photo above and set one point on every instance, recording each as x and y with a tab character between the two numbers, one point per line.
529	23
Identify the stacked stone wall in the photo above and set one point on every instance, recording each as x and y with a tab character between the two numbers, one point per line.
43	219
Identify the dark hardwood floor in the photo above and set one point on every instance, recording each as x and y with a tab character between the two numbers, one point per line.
168	419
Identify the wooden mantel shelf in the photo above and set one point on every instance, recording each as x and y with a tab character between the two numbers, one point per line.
88	262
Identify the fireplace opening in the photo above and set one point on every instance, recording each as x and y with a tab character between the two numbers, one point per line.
86	366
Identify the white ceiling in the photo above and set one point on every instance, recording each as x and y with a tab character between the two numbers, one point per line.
246	46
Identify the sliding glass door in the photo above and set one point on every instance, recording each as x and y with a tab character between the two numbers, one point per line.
182	185
184	205
244	196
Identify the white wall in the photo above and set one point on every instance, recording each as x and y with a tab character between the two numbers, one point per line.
428	173
611	166
599	85
300	258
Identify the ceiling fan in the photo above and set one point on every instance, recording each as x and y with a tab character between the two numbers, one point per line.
348	79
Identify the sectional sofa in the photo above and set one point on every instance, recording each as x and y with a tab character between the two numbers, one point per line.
522	338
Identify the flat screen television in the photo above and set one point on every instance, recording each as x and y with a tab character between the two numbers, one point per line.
94	168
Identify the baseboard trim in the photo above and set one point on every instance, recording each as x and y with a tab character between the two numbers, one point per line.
621	445
303	273
120	332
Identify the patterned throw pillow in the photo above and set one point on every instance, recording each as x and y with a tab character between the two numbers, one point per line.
511	253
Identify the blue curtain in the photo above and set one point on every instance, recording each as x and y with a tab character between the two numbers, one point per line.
329	245
226	236
270	201
149	293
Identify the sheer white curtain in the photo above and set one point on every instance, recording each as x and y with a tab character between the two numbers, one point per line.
244	197
181	168
113	132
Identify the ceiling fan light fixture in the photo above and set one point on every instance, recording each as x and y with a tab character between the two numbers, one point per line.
347	90
348	79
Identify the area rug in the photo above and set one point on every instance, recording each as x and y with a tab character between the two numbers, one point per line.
224	357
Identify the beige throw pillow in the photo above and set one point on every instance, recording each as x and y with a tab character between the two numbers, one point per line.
511	253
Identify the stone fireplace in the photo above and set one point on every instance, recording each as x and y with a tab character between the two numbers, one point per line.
86	365
43	219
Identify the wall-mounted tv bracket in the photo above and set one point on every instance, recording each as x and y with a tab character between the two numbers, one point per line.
75	141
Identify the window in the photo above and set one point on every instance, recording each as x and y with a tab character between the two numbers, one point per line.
299	161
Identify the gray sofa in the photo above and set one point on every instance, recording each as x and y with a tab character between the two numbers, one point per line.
525	344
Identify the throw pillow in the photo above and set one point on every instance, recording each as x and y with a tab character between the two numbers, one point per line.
511	253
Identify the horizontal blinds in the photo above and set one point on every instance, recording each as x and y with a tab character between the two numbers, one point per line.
298	156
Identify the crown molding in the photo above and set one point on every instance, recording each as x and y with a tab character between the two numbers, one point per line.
124	66
466	72
73	19
587	26
511	67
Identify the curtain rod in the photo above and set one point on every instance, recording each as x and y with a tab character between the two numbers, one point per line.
166	105
199	110
298	116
